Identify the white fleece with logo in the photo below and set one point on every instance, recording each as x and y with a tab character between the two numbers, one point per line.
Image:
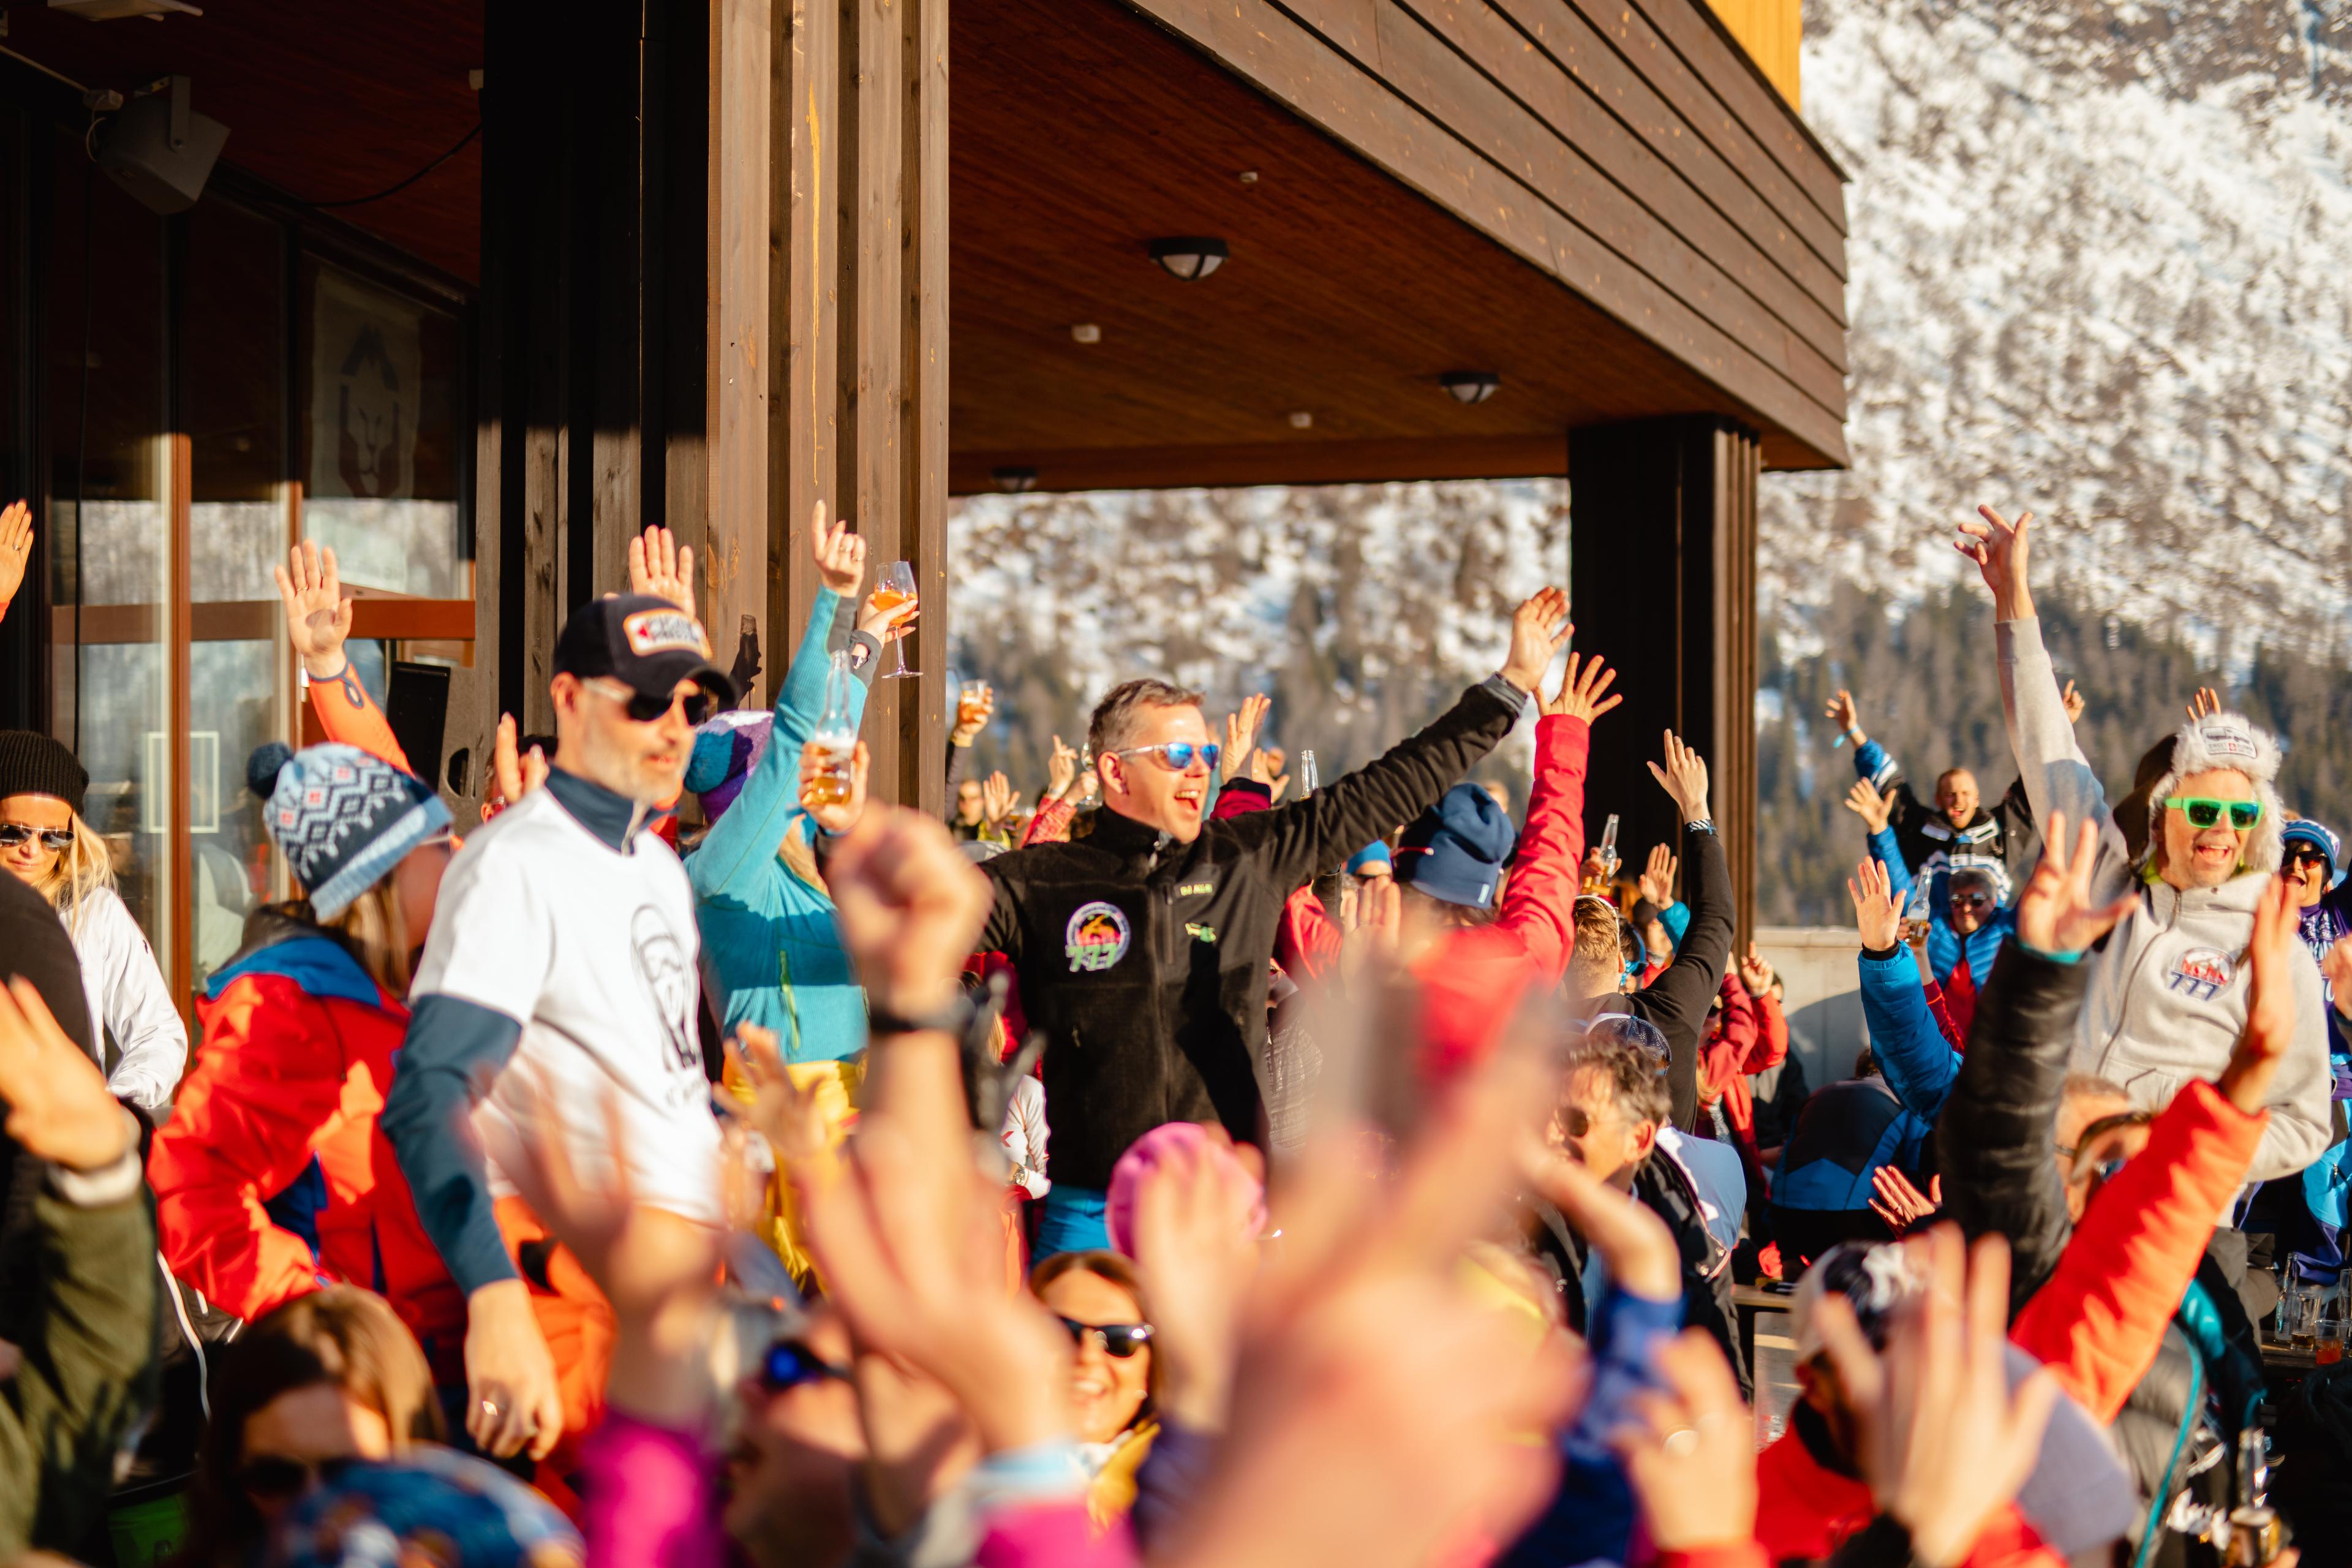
2168	998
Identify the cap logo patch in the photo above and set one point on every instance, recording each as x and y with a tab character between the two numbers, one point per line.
2228	740
1096	937
2201	974
651	631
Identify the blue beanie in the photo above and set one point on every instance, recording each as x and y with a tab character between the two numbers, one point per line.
2303	830
1373	854
341	818
1455	851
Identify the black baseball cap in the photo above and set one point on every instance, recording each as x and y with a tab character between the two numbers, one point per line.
646	644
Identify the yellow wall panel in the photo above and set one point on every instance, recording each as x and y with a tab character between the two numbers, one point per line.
1769	31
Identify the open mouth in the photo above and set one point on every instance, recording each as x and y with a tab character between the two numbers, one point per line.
1189	798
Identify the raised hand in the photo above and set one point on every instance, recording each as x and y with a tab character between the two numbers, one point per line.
1998	548
816	762
2337	965
790	1118
1876	913
1196	1242
975	705
996	799
1684	778
2074	702
1539	630
58	1106
1579	696
1842	712
658	565
1241	734
840	553
318	617
1690	1451
512	776
1061	770
2054	913
2207	702
2269	1029
1874	809
1898	1203
909	907
16	548
1755	974
1657	879
1944	1442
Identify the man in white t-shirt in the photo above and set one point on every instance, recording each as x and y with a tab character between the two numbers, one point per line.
564	943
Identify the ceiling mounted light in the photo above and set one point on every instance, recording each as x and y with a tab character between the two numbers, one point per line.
1191	257
1470	385
1014	481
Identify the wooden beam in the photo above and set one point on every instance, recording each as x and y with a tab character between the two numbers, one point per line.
735	569
923	403
803	303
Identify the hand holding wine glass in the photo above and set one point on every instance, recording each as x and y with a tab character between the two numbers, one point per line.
896	588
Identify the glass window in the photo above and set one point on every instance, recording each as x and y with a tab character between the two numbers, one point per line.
233	369
109	533
380	467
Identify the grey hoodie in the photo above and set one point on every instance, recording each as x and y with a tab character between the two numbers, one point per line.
2169	997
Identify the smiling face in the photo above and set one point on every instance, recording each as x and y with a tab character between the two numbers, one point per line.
971	802
2194	857
1106	1391
1956	796
33	861
2305	871
1141	786
1972	901
1591	1128
597	740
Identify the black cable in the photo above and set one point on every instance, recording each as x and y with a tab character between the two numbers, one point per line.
395	190
81	429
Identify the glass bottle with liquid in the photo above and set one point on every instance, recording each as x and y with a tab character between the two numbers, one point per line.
1309	783
835	737
1918	914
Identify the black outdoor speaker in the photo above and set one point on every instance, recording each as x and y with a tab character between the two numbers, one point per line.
416	706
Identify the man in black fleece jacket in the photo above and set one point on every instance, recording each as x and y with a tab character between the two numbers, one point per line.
1142	949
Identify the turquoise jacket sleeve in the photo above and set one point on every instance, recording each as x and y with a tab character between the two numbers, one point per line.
743	842
1909	1049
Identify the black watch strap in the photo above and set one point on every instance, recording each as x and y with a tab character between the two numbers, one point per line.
951	1019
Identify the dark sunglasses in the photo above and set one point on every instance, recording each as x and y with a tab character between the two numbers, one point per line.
789	1364
273	1478
644	709
2296	855
1179	754
1119	1341
15	833
2202	813
1976	899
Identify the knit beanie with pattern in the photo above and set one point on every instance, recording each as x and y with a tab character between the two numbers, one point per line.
341	818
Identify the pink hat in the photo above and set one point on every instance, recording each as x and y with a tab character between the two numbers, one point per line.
1155	1146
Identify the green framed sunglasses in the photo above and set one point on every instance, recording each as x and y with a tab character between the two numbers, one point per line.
2203	813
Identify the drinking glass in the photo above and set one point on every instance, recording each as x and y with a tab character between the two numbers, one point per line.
896	588
2327	1346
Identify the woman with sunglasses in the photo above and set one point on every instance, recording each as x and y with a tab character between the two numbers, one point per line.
1098	1298
273	1180
322	1381
44	841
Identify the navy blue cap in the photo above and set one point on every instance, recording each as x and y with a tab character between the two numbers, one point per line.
1455	851
2303	830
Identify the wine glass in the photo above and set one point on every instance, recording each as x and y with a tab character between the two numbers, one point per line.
895	587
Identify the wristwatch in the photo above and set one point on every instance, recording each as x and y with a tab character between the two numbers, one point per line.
952	1018
1701	824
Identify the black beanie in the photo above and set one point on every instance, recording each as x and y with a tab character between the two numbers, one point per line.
32	764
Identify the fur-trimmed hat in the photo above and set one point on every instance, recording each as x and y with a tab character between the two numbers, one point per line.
2234	741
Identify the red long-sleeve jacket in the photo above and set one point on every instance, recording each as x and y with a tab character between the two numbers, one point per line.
1472	978
1740	1045
272	1179
2096	1323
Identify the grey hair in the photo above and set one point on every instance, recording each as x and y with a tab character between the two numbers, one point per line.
1116	715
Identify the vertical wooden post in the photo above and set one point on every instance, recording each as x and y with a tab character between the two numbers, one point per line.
1662	513
804	305
179	628
871	317
735	567
923	404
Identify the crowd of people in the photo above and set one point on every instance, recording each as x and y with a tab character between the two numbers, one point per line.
690	1159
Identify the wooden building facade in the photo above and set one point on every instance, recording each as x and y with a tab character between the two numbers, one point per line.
710	262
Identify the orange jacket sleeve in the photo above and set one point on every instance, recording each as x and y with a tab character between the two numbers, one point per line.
2099	1319
348	714
266	1089
1730	1555
1306	943
1539	900
1771	1035
1049	824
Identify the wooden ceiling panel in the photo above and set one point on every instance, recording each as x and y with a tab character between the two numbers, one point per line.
326	101
1081	131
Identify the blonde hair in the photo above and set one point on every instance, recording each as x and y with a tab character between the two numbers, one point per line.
375	928
80	870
